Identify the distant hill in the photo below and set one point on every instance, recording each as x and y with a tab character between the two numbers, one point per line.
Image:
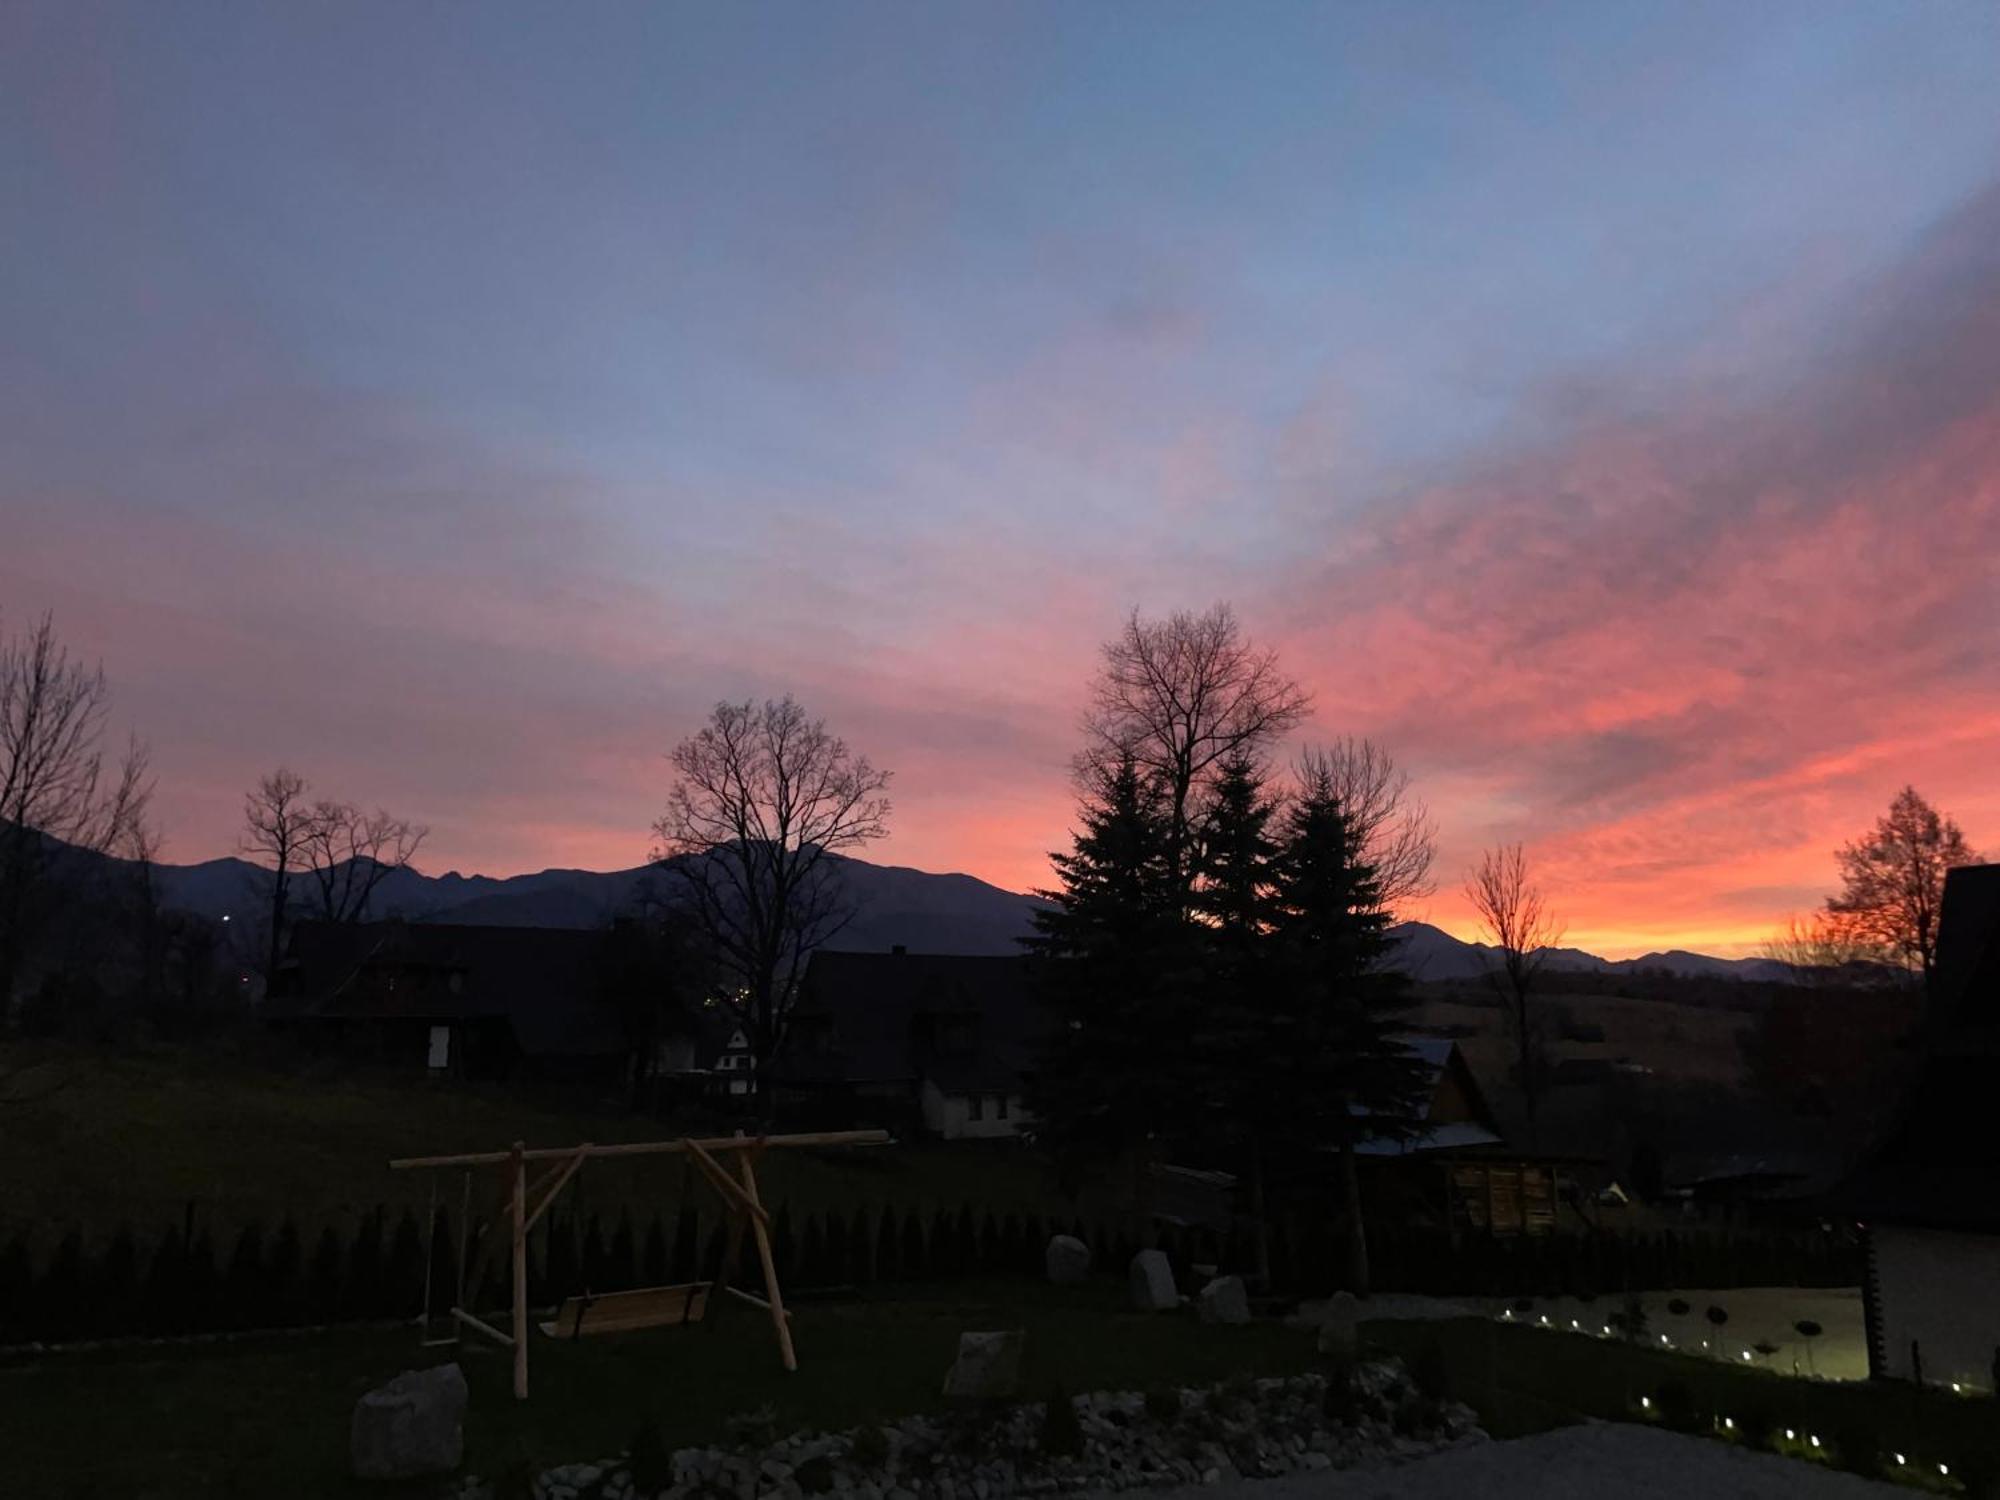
1430	953
924	912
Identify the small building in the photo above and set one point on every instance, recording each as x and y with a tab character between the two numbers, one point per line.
940	1042
1928	1200
736	1066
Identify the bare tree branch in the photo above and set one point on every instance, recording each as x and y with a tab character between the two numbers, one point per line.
1823	950
1518	924
350	853
53	785
1397	834
765	798
277	827
1177	697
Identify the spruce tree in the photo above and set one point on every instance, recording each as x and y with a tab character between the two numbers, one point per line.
1116	966
1235	900
1338	1074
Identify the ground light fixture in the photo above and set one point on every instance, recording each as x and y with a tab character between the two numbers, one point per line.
1791	1435
1646	1403
1901	1462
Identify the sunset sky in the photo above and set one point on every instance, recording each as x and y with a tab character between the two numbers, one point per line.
1597	404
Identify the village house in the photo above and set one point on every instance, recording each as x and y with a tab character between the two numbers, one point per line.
937	1042
1929	1199
485	1002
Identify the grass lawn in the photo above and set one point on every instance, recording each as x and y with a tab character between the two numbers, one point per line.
1525	1380
270	1417
94	1139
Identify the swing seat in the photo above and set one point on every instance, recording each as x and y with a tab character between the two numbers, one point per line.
622	1312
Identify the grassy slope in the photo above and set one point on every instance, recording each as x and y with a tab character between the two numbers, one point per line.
271	1418
90	1140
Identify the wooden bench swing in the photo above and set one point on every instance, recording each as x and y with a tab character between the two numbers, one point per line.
617	1312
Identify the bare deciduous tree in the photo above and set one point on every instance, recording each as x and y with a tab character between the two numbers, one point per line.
350	853
1515	917
1397	835
1892	881
765	797
1821	950
55	786
278	827
1179	696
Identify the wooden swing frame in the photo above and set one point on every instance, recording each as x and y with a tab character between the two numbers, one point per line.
527	1202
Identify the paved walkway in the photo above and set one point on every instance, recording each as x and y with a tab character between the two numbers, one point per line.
1573	1463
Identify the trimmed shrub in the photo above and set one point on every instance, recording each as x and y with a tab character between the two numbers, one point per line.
323	1278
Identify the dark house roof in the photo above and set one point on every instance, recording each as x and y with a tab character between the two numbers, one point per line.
1939	1167
551	986
969	1024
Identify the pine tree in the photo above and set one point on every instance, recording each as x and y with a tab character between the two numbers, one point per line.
1236	900
1117	965
1337	1072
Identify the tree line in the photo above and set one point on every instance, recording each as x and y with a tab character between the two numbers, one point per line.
1180	743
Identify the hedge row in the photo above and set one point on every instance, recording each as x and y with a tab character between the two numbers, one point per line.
183	1284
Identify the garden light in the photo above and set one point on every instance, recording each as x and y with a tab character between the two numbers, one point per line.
1664	1339
1746	1356
1791	1436
1901	1462
1945	1469
1729	1424
1814	1441
1646	1402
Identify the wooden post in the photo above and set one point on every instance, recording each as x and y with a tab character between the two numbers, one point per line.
519	1169
775	1296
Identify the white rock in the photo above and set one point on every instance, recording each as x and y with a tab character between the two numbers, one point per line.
988	1366
1151	1280
1340	1327
1066	1260
1223	1300
413	1425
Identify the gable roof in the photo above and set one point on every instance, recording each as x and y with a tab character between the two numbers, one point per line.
876	1004
1939	1167
550	985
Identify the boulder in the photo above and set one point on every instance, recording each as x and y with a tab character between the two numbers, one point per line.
1340	1327
413	1425
1067	1259
988	1367
1152	1282
1223	1300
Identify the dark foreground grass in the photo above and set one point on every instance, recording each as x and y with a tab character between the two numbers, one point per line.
270	1418
1524	1380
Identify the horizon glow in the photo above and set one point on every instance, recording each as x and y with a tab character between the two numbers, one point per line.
1597	405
